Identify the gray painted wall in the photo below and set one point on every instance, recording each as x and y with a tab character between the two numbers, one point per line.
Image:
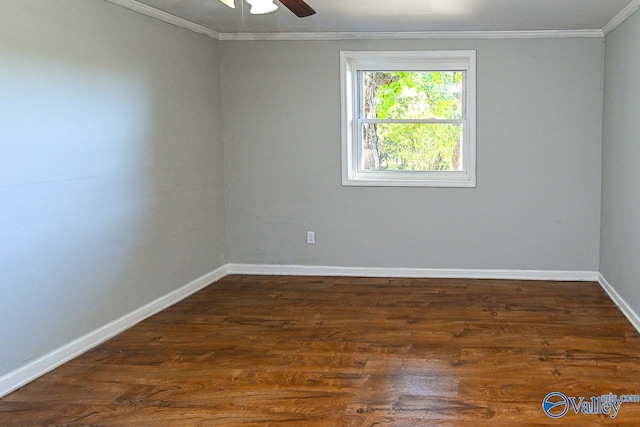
111	168
537	204
620	230
112	190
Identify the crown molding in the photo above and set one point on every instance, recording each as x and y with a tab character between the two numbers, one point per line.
418	35
631	8
166	17
408	35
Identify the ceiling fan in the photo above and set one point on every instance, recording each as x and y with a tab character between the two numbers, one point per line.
298	7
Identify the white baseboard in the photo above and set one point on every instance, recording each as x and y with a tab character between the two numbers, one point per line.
624	307
306	270
32	370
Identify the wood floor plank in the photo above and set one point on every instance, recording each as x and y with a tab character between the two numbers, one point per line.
342	351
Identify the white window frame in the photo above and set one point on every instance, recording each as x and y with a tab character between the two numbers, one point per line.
351	62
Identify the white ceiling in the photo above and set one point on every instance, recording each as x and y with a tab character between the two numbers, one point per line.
338	16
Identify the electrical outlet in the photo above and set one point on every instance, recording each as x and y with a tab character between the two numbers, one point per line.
311	237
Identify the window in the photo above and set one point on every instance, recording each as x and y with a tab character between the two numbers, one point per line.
408	118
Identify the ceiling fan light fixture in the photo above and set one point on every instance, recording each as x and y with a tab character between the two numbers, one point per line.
258	7
230	3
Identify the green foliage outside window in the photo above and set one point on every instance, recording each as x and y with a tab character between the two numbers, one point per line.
410	95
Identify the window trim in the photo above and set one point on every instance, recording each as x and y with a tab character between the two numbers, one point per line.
451	60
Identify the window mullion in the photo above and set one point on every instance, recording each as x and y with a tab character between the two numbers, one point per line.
413	121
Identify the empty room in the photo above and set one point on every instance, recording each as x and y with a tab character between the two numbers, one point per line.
319	212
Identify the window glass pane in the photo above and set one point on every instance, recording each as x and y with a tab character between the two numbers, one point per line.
411	147
413	94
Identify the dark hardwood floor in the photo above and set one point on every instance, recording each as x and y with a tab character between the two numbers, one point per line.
313	351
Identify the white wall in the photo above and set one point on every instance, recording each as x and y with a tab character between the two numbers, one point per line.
537	202
111	168
620	230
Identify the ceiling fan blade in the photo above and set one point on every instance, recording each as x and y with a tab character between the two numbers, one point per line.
299	7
